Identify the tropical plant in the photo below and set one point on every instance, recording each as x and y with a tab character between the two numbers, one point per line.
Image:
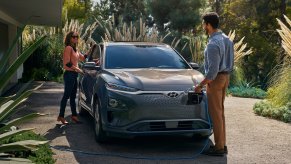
9	104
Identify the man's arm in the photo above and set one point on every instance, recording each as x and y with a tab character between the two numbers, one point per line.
213	66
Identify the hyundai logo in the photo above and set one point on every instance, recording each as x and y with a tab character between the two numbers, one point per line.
172	94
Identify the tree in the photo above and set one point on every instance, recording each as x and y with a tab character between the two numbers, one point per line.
128	10
180	15
76	9
255	20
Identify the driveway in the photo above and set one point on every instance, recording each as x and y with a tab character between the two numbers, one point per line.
250	138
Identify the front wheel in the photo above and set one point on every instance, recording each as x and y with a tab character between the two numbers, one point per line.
100	135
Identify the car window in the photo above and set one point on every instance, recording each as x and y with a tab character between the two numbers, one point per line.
131	56
94	54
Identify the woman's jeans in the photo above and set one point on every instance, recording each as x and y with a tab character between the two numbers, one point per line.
70	82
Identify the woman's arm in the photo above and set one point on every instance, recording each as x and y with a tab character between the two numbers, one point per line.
83	57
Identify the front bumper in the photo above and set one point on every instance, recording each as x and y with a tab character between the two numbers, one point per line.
155	113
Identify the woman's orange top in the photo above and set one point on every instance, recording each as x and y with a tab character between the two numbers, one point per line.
74	57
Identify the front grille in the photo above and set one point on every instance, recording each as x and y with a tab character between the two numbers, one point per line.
157	126
185	125
162	126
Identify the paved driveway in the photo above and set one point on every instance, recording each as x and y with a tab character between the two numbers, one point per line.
250	138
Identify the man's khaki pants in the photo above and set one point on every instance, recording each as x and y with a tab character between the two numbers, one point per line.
216	91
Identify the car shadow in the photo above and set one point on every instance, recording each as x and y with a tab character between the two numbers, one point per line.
78	139
148	149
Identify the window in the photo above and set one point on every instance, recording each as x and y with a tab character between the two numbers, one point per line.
143	56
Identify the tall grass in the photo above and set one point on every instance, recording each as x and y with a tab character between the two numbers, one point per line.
134	32
195	47
33	32
279	93
278	103
240	50
239	47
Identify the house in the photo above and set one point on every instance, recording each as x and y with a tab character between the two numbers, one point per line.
16	13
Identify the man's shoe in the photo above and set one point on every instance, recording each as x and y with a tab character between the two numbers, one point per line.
62	119
225	149
214	152
75	119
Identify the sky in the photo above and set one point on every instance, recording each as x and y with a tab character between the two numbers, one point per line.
94	1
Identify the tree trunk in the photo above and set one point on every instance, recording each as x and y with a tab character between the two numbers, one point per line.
283	10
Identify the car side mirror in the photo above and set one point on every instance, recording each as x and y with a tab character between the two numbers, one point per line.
194	65
91	66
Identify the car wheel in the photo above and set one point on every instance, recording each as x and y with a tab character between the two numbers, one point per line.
81	110
100	135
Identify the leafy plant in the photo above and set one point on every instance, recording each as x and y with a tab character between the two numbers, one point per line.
247	91
42	155
9	104
266	109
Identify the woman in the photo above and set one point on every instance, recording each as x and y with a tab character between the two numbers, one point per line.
70	61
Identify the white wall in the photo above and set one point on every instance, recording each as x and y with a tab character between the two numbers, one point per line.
8	33
12	33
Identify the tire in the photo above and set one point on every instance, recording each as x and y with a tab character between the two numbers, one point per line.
81	110
100	134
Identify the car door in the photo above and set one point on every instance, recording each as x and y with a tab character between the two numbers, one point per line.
90	69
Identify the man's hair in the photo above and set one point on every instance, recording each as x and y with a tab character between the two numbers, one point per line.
211	18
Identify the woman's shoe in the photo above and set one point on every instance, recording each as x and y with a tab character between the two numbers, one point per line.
62	119
75	119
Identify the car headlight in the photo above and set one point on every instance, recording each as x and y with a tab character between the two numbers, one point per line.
120	87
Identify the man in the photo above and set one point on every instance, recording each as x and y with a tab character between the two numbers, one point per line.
218	60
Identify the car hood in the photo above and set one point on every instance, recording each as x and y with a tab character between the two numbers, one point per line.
155	79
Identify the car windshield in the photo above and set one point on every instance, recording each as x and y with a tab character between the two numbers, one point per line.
143	56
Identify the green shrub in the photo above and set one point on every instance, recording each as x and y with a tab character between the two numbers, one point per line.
42	155
266	109
245	91
45	63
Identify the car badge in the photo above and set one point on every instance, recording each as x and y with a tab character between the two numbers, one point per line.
172	94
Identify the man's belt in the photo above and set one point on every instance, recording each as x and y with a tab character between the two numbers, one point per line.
223	72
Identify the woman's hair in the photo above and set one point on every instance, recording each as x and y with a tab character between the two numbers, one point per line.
211	18
68	40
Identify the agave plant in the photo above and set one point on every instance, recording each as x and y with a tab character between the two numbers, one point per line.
9	104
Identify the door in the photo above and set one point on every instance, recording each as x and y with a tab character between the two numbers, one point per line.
90	69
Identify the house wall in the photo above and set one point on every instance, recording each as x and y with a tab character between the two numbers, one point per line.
12	33
8	33
3	38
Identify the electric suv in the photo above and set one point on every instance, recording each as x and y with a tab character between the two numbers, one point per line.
136	88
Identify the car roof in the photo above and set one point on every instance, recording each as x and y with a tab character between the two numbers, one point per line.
134	44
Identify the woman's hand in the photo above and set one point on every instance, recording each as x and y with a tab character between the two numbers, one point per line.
80	71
